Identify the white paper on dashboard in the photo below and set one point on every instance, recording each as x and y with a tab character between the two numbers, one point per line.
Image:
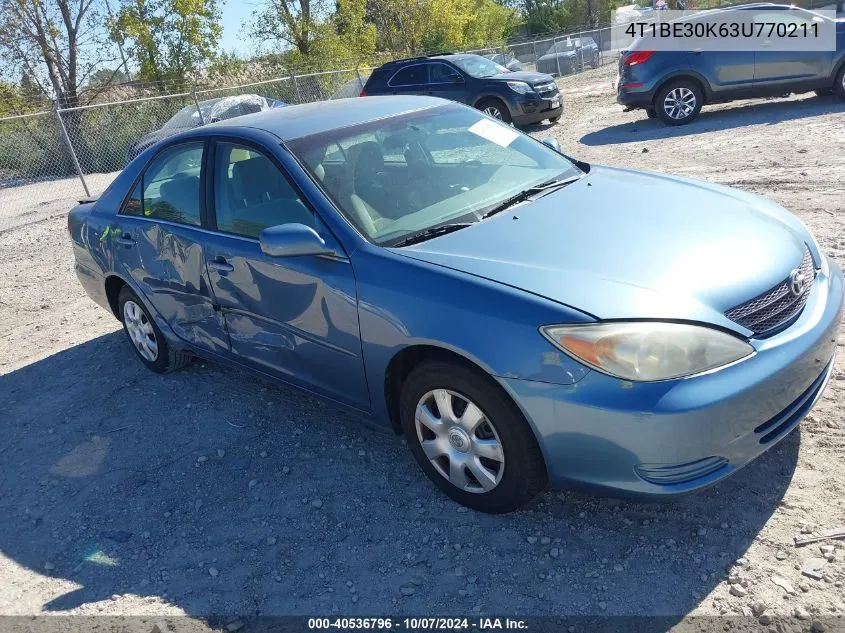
494	132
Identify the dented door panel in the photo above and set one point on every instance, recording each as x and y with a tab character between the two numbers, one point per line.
167	262
295	317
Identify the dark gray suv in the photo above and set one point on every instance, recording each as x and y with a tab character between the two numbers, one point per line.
520	97
673	86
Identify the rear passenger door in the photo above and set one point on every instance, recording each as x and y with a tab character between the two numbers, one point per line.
776	71
158	242
293	317
409	80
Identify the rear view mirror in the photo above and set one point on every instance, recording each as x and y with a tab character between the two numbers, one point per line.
290	240
552	142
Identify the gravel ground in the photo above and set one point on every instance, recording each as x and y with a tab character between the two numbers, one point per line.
209	491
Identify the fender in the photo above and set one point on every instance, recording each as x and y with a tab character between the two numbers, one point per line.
691	74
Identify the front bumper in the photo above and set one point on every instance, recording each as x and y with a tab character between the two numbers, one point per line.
533	108
666	438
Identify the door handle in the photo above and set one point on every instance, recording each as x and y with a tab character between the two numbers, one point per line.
220	265
126	240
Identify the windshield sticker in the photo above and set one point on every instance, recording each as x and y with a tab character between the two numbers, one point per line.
494	132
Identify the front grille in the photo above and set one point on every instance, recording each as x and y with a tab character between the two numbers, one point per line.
776	306
544	89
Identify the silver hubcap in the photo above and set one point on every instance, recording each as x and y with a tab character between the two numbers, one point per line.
494	112
460	441
679	103
140	331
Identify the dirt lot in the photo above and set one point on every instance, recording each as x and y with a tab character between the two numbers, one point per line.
210	491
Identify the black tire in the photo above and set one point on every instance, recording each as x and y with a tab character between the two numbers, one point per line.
523	474
650	113
166	359
665	112
488	106
823	93
555	119
839	83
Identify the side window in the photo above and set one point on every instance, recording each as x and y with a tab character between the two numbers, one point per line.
443	74
169	188
781	17
251	194
414	75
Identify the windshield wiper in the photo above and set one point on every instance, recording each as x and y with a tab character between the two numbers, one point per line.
434	231
530	194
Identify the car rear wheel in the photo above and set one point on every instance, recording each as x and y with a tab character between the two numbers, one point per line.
839	85
145	336
651	113
495	108
470	438
678	102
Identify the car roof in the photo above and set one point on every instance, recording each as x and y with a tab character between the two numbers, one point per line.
296	121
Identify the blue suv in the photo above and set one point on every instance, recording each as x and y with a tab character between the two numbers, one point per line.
522	98
673	86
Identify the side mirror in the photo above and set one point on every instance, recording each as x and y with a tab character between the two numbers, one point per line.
552	142
290	240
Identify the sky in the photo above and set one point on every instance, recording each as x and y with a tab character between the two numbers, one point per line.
236	13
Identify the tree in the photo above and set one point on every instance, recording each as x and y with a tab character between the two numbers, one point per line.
168	39
413	26
292	22
56	43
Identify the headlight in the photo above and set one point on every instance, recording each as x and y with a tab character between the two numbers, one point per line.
647	351
519	86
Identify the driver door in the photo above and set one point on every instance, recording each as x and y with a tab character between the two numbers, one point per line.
293	317
446	82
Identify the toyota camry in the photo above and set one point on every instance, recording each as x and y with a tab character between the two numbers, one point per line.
521	317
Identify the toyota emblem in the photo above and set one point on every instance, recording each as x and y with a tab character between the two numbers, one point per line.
797	282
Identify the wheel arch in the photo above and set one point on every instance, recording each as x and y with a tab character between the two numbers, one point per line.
406	359
492	95
685	75
114	284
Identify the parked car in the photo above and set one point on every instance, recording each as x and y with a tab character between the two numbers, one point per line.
432	270
212	110
628	13
509	62
523	98
674	86
569	56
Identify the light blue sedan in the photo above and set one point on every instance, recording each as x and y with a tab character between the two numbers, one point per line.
521	317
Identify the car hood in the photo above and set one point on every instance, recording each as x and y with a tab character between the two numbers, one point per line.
524	75
623	244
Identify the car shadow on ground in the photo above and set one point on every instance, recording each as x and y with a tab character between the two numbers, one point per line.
754	113
220	493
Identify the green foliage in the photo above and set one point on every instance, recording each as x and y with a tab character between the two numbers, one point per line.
170	40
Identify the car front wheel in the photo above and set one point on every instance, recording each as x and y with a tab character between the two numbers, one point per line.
146	338
470	438
678	102
495	109
839	85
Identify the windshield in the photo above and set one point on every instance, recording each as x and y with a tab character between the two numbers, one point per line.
399	176
478	66
189	117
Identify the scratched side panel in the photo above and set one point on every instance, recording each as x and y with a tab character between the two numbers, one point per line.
296	317
168	264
